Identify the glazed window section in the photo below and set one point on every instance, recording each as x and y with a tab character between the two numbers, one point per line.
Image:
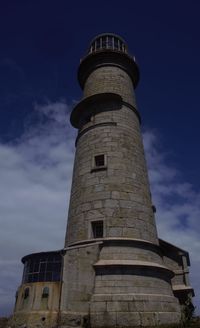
45	292
116	43
99	163
26	293
97	229
43	268
108	42
99	160
103	42
98	44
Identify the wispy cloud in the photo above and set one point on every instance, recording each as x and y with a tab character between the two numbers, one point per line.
177	203
35	185
36	173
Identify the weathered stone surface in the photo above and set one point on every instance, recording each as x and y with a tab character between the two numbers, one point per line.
114	273
119	195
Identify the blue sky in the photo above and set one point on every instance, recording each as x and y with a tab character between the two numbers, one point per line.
41	46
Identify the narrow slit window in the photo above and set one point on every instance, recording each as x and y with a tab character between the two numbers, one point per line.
26	293
99	160
45	292
97	229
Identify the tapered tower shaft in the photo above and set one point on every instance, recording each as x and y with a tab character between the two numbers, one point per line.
116	190
113	269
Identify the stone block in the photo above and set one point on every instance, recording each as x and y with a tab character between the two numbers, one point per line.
117	306
103	319
148	319
115	232
112	203
167	318
101	297
98	307
115	195
128	319
97	204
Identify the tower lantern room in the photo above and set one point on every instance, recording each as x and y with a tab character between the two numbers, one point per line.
108	41
106	52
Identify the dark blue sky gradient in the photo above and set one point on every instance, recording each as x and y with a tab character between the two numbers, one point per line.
42	42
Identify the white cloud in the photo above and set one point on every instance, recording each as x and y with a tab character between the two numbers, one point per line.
178	206
35	186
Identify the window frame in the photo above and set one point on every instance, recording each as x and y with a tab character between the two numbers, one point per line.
26	293
49	268
93	234
45	292
96	167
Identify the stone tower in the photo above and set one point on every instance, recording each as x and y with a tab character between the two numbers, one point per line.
113	269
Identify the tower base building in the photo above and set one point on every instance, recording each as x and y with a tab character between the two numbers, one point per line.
113	270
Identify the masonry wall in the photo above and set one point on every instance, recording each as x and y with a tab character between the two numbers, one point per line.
120	194
110	79
78	284
127	269
35	311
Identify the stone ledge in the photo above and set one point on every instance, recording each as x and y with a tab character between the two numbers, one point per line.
132	297
181	287
130	263
114	239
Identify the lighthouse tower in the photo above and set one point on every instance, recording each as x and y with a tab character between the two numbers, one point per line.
114	273
113	270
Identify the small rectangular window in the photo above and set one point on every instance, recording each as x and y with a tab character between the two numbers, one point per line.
45	292
99	163
97	229
99	160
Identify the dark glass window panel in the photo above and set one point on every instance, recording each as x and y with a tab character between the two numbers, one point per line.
97	229
41	276
31	267
35	277
116	43
98	44
45	292
36	266
48	276
110	42
42	266
43	258
104	42
50	266
57	267
56	259
56	276
26	293
99	160
30	278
